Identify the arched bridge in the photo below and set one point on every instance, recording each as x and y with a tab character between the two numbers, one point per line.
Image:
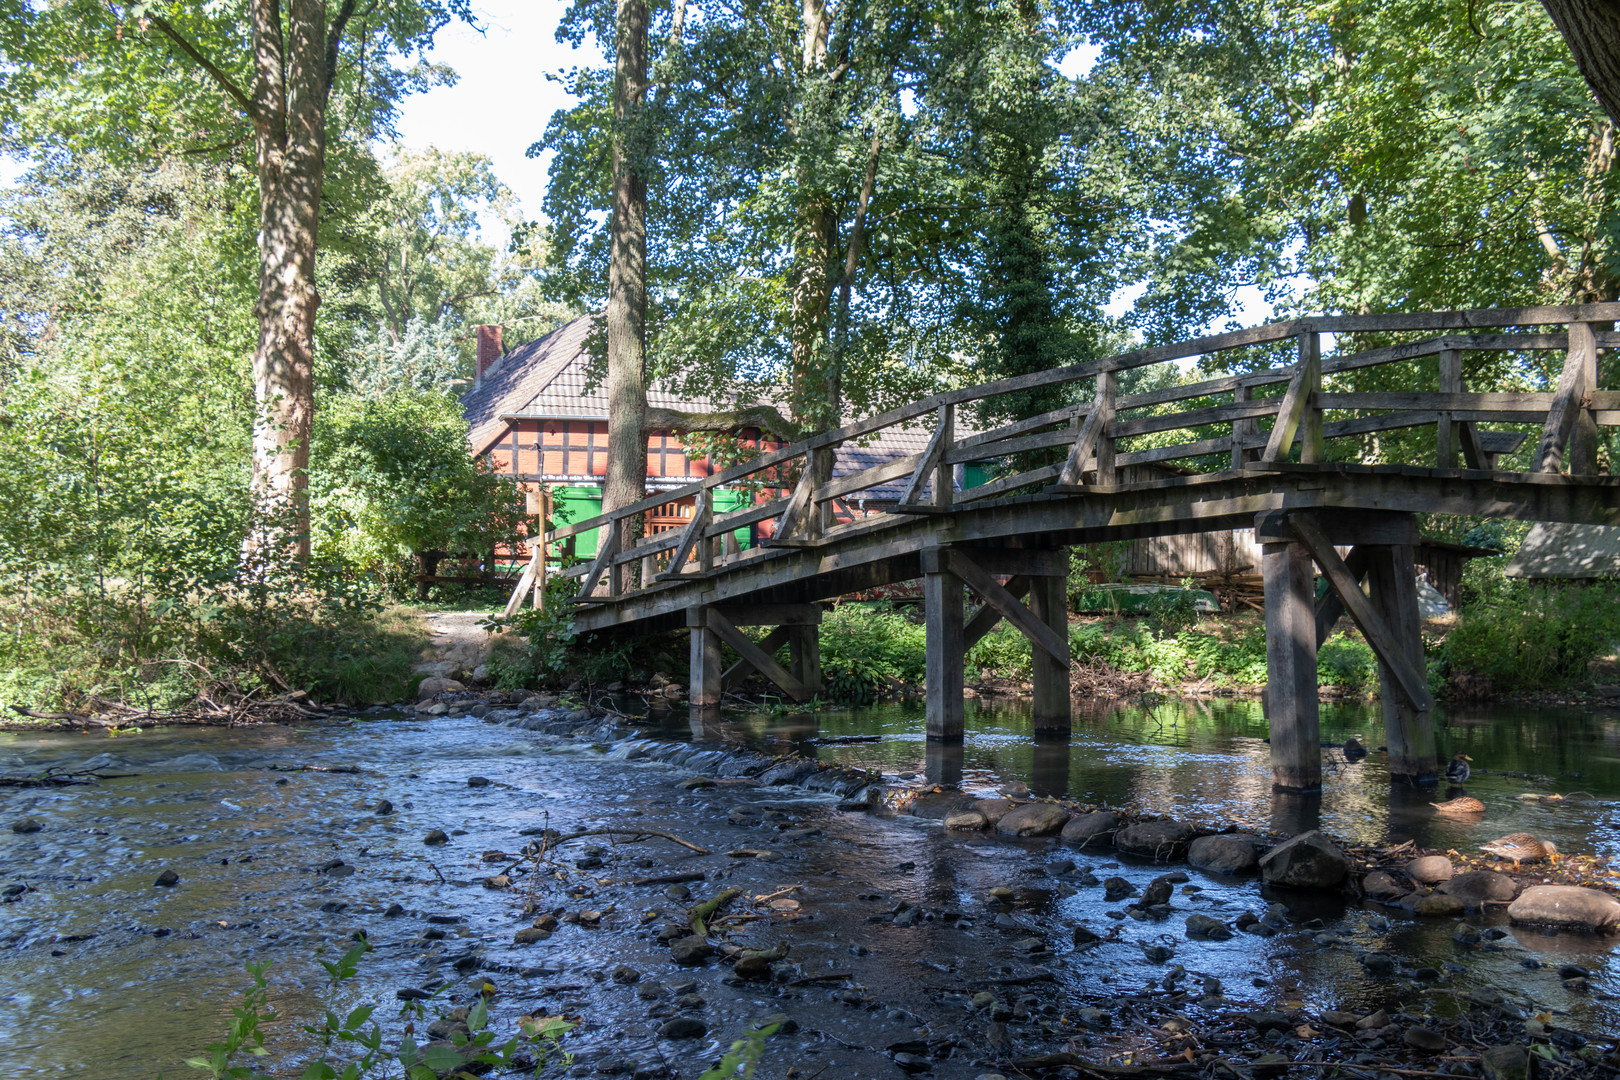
1279	445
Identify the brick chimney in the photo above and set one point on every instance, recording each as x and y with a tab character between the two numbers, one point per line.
489	348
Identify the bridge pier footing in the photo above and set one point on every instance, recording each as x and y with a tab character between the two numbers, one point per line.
1382	550
795	625
946	645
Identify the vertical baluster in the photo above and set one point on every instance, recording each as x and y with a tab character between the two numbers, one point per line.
1311	447
1107	391
1445	436
943	473
1242	429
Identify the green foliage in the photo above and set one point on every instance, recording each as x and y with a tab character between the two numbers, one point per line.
393	479
1534	637
1173	612
744	1055
355	1036
1003	653
865	649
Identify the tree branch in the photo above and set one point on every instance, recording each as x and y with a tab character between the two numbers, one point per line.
207	65
764	417
334	38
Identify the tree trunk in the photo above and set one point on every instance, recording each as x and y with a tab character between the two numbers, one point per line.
626	478
1591	29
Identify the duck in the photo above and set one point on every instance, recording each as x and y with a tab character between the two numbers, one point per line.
1457	770
1462	805
1521	847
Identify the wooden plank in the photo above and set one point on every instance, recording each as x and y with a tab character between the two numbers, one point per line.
772	614
1547	315
1351	527
765	665
728	523
1215	414
1566	405
1584	439
769	645
1090	435
1290	695
606	547
1306	382
662	542
796	505
1200	448
883	473
1242	429
689	537
983	451
1528	404
1385	644
975	578
938	443
985	616
1064	415
1445	439
944	478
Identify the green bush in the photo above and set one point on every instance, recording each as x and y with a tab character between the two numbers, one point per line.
1533	637
1347	662
1003	653
864	649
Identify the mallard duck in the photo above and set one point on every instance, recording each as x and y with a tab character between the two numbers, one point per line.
1457	770
1521	847
1463	805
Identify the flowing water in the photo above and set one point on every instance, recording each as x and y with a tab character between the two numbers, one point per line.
107	976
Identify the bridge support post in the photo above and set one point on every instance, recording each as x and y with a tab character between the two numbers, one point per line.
1049	602
1290	585
942	615
1408	725
704	692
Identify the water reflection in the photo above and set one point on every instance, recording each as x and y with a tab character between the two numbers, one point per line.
1208	761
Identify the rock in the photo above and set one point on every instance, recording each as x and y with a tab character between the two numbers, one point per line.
434	685
967	820
1084	829
1162	841
693	783
1117	888
1158	891
1478	887
1308	861
1381	886
624	975
1035	819
912	1063
435	836
1230	853
411	993
784	1024
167	879
1437	905
1424	1039
995	809
1374	1021
1269	1021
1430	870
1205	928
529	935
1084	937
394	911
1567	907
1511	1062
683	1027
1340	1019
690	950
383	808
1096	1019
1378	963
26	825
938	805
478	781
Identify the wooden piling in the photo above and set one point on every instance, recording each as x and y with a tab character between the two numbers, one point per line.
705	688
942	614
1408	725
804	647
1049	602
1296	754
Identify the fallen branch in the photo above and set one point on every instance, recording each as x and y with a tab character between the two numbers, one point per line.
1109	1072
636	834
664	879
707	908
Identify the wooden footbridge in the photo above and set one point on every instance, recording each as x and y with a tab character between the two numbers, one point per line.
1278	445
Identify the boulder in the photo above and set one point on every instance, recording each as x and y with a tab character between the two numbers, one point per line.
1567	907
1205	928
1034	819
1437	905
938	805
994	809
434	685
1084	829
1230	853
1381	886
690	950
1430	870
1162	841
1308	861
1478	887
1116	889
1510	1062
970	820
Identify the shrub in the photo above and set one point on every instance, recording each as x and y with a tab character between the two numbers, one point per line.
864	649
1533	637
1003	653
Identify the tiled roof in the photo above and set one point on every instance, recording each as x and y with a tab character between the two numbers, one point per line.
547	378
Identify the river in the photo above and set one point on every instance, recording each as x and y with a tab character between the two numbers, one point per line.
107	976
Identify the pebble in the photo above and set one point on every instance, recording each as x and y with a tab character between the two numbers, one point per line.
435	836
26	825
624	975
478	781
1430	1042
383	807
683	1027
167	879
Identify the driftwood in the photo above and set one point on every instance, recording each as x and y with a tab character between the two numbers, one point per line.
51	778
640	834
707	908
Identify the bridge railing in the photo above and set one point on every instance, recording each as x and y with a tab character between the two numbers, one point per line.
1103	430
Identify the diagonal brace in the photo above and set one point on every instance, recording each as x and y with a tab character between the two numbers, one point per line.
932	457
1011	609
689	538
984	620
763	663
1372	624
795	507
739	671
